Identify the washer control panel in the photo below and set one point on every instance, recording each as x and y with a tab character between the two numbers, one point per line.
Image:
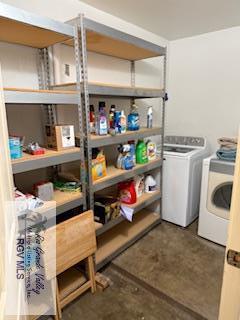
185	141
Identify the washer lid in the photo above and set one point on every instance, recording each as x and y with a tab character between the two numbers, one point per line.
177	149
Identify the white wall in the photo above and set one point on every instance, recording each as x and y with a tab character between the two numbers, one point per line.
204	82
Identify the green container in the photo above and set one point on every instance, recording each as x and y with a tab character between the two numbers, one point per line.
141	152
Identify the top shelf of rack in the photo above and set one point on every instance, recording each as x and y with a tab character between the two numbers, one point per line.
22	27
108	41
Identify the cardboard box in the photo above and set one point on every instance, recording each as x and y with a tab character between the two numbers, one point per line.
60	137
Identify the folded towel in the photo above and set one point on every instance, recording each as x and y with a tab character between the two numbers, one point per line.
228	143
227	154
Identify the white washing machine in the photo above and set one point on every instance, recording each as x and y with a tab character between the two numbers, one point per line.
216	192
182	170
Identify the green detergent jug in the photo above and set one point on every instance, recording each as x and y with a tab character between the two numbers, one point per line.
141	152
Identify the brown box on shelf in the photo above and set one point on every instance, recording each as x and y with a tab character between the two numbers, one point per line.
106	209
60	137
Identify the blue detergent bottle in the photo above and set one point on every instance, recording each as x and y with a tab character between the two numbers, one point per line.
133	119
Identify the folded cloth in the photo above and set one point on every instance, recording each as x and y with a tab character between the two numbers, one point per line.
229	143
227	154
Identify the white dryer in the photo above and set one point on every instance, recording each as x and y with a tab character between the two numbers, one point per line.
216	192
182	170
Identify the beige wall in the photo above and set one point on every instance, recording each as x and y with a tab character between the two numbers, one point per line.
204	78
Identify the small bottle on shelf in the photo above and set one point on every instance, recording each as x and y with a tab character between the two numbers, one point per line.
92	119
111	116
102	123
149	118
133	119
123	123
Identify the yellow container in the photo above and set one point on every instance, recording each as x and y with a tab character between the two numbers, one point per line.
99	167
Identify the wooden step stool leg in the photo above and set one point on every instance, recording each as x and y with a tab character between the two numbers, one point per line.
91	273
58	314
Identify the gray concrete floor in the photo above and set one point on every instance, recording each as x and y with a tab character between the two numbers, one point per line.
171	273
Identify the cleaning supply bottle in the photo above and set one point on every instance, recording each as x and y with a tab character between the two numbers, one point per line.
133	119
92	119
139	185
127	193
102	126
111	116
141	152
151	150
149	118
125	158
150	184
123	122
133	150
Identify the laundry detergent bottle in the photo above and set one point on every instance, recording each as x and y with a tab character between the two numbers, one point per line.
141	152
133	119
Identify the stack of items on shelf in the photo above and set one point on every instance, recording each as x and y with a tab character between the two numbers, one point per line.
43	191
58	137
116	122
129	155
24	202
129	191
228	149
108	208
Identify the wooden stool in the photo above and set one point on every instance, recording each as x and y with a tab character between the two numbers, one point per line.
75	242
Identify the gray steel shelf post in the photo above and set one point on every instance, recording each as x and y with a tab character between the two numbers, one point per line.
85	103
163	122
133	78
78	59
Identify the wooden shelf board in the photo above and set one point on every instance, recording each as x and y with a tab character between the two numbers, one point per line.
48	154
115	90
114	239
63	197
72	86
145	197
26	90
20	33
115	174
30	162
106	45
97	140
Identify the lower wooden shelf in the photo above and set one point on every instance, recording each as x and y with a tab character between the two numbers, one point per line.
113	242
69	281
142	202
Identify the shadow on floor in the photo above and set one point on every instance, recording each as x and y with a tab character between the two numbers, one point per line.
169	274
180	264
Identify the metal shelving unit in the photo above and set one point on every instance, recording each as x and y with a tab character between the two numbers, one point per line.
102	39
21	27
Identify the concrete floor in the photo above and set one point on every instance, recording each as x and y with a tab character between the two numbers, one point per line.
169	274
